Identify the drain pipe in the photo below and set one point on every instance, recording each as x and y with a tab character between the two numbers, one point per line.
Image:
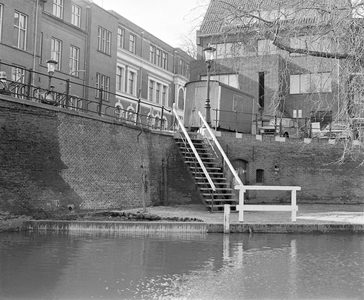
35	37
144	177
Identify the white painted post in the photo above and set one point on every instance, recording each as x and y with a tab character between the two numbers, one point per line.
226	218
293	203
241	203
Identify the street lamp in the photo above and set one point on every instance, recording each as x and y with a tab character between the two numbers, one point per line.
51	65
209	56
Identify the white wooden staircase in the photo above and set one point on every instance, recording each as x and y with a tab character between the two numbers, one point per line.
214	199
202	160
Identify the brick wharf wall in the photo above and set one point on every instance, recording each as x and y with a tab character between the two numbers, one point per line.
52	157
312	166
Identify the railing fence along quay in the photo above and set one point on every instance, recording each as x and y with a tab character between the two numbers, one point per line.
22	87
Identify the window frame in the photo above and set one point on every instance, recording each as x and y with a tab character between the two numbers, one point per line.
57	10
131	87
20	31
102	81
302	83
121	37
164	60
56	52
132	43
159	96
152	51
74	60
104	40
76	15
120	78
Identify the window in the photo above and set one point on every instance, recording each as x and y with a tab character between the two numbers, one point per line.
74	60
310	83
158	57
230	50
261	89
164	96
76	15
152	54
20	30
1	19
266	47
151	90
132	83
132	43
120	74
58	8
237	103
312	43
121	34
164	60
158	93
56	52
104	40
102	82
259	176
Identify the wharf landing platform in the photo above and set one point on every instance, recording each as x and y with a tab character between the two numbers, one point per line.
311	218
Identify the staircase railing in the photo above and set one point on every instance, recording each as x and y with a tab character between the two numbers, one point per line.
212	185
226	159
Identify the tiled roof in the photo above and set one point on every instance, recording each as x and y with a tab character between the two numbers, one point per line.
219	10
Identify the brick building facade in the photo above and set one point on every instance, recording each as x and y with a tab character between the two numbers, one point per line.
99	49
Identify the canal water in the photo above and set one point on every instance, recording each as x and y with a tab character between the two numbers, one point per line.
51	265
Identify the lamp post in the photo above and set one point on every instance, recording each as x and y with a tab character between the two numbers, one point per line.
209	56
51	65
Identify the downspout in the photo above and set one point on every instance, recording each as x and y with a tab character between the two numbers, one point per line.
35	37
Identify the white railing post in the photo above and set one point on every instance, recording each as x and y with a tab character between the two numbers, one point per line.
293	204
240	207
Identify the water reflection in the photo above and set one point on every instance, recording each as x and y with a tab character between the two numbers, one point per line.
181	266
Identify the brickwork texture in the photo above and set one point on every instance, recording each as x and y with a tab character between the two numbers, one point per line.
314	167
51	158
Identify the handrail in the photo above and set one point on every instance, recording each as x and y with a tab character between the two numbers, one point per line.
193	149
221	150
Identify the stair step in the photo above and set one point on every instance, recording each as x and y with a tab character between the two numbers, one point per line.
216	183
220	208
207	168
195	161
214	179
219	195
218	189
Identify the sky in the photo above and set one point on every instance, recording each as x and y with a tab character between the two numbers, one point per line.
168	20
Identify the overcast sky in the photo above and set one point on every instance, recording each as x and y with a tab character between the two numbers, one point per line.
165	19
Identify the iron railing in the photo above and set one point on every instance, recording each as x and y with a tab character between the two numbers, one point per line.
66	94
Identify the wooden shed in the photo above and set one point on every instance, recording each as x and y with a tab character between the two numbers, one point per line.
231	108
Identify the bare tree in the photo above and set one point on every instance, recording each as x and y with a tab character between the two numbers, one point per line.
312	36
